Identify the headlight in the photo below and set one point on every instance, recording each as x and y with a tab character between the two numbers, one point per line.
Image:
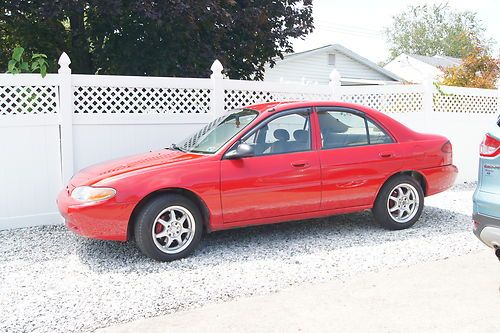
92	194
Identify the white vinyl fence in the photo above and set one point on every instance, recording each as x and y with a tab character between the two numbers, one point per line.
52	127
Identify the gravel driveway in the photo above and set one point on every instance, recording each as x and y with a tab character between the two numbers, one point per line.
54	281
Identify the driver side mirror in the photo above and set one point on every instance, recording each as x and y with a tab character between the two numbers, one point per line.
242	150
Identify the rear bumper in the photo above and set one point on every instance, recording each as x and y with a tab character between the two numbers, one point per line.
440	178
486	216
107	220
486	203
487	229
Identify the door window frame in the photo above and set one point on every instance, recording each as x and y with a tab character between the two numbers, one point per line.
312	137
356	112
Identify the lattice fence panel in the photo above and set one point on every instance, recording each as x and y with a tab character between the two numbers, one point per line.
15	100
465	103
140	100
390	103
238	98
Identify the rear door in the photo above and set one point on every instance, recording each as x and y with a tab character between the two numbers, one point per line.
356	156
283	178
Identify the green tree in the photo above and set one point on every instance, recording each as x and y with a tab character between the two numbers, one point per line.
435	30
477	70
153	37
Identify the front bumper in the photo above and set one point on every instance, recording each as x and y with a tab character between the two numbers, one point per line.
107	220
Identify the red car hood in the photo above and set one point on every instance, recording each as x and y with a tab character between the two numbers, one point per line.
119	166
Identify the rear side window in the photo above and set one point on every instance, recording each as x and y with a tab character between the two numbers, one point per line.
376	134
341	129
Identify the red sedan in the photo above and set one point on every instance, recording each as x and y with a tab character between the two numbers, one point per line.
266	163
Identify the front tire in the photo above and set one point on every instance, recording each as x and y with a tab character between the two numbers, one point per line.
169	227
399	203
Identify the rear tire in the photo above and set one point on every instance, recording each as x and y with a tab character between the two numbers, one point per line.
399	203
169	227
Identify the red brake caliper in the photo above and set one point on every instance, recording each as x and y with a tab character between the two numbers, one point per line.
158	228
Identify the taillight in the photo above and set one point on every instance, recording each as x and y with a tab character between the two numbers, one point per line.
490	146
447	149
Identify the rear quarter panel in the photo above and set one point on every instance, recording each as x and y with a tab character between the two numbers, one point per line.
424	153
425	156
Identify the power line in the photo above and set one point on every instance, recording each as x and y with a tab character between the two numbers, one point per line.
350	27
351	30
378	36
352	33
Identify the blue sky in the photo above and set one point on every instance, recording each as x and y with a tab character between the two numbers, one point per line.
357	24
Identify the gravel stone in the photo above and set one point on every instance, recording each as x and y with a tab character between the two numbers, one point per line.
55	281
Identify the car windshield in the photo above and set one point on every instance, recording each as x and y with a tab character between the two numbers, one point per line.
216	134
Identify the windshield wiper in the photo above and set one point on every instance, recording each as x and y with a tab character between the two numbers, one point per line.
173	146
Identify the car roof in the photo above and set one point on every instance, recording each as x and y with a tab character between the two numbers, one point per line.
398	130
263	107
286	105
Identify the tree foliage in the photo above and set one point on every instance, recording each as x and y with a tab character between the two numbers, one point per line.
156	37
476	70
435	30
17	64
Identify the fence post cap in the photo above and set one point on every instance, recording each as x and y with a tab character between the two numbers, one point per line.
64	62
216	69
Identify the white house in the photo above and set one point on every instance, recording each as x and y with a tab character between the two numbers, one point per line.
315	66
416	68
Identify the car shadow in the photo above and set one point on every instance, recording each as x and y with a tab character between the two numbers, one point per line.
287	239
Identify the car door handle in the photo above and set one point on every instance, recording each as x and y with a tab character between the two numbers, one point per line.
386	154
300	164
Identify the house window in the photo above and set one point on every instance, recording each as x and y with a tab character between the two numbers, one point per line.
331	59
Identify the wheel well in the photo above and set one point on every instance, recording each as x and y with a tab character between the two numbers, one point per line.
414	174
205	213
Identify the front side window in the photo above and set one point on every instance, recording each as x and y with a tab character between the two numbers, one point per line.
216	134
285	134
341	129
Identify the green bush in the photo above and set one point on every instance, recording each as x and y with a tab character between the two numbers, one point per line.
17	64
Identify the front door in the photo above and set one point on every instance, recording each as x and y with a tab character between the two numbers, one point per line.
283	178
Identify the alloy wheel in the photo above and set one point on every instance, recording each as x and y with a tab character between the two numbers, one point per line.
403	203
173	229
